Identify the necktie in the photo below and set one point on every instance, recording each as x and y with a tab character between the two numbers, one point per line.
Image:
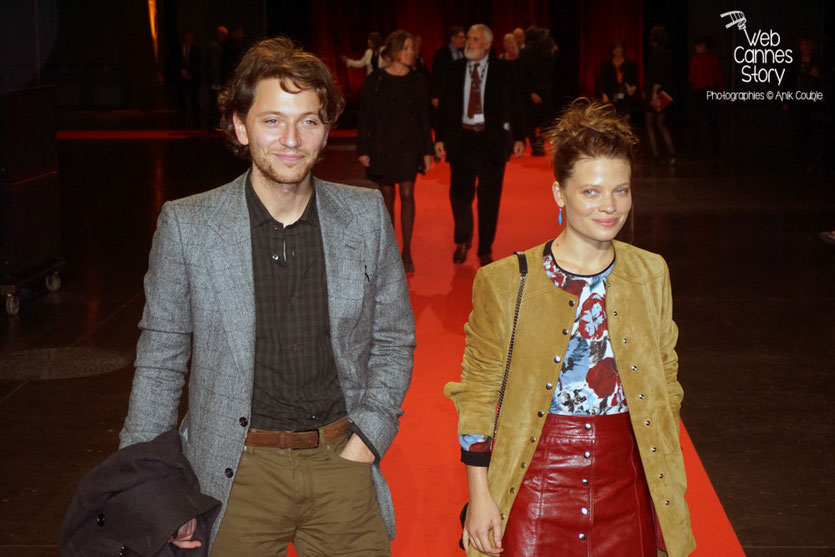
474	103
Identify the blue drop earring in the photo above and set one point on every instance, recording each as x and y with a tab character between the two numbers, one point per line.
559	216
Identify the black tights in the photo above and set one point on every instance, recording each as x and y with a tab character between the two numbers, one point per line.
407	209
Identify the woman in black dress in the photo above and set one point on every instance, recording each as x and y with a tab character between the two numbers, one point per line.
394	141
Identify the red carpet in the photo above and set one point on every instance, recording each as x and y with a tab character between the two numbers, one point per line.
427	480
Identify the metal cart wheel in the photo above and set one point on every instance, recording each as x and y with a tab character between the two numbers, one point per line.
12	304
53	282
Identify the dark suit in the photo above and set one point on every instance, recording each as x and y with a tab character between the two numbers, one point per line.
441	62
479	154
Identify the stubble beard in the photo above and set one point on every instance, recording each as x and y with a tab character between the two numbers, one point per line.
277	174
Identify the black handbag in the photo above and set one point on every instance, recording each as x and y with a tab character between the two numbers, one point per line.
523	272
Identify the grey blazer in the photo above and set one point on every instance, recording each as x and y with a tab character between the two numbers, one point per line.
200	305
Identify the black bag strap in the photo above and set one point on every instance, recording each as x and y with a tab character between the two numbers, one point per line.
523	272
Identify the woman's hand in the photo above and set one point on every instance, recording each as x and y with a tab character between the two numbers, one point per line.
484	520
427	162
365	160
483	525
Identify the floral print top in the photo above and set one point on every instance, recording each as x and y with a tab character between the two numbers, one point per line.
589	383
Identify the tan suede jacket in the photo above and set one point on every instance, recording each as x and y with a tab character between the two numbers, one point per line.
643	335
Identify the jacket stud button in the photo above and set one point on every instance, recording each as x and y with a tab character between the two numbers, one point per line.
565	331
556	359
641	396
581	536
584	510
100	519
243	422
584	481
653	449
533	439
615	313
624	340
503	516
587	454
571	303
660	476
646	422
228	472
666	502
549	386
540	413
513	490
524	465
634	368
587	425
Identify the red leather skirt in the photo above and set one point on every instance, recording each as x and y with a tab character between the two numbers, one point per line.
584	493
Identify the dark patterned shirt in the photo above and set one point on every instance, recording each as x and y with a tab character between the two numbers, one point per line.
296	386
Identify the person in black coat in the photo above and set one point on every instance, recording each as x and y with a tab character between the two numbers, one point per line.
394	140
189	68
536	62
658	80
618	81
477	139
443	58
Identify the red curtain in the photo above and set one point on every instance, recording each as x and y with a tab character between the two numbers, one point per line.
602	22
342	27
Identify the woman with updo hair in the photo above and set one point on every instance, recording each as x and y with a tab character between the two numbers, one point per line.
585	457
394	141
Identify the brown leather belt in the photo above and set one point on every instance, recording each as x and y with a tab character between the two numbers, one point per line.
296	439
474	127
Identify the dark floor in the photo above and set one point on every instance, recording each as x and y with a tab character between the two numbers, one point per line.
753	297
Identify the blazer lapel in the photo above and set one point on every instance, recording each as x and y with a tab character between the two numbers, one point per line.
231	273
342	246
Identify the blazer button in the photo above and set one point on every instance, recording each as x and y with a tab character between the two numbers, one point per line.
229	473
549	386
571	303
653	449
243	422
624	340
615	313
533	439
641	396
100	519
524	465
634	368
565	331
556	359
646	422
666	502
513	490
540	413
660	476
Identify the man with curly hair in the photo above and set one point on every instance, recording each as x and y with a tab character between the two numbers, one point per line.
288	295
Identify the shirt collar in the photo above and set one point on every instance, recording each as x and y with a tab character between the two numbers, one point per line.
258	213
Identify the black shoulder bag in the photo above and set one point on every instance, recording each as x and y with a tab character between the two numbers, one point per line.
523	272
